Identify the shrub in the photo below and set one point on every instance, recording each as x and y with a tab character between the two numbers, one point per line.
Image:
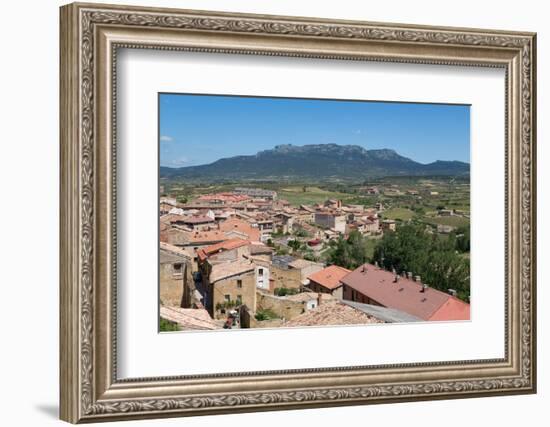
283	291
167	326
265	314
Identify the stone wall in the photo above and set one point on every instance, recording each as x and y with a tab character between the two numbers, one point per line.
281	306
249	321
286	278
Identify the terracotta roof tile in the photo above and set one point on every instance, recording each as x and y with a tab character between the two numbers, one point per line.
226	245
240	226
405	295
329	277
332	314
208	236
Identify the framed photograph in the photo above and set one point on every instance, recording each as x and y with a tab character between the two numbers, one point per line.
266	213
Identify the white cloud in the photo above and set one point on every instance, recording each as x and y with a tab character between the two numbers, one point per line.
166	138
357	132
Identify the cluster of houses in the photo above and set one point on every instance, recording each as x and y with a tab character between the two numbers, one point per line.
259	213
218	269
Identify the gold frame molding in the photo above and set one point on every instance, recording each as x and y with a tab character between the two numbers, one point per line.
90	37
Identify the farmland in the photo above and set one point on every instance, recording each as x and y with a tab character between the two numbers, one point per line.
403	199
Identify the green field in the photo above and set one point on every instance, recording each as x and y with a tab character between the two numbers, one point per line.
401	214
297	196
455	221
423	206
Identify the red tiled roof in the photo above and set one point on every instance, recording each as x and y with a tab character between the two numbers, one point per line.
453	309
209	236
242	227
329	277
405	295
219	247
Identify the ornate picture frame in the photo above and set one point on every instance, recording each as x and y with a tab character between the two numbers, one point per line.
90	37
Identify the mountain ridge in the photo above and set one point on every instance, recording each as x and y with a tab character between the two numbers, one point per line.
316	161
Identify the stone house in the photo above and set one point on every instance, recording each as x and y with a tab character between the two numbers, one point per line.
231	271
328	281
266	227
228	285
198	222
331	221
290	272
175	275
191	241
284	222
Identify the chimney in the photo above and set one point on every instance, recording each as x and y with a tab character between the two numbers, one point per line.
393	270
424	287
376	264
417	278
396	278
403	274
452	292
409	275
364	269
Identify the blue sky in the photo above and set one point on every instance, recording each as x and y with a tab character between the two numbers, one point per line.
200	129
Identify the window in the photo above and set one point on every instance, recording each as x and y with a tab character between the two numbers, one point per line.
177	268
239	299
227	298
239	283
261	271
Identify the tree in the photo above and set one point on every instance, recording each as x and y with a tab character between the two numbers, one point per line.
463	239
435	259
294	244
349	253
181	199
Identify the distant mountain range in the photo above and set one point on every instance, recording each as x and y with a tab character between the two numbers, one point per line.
319	161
